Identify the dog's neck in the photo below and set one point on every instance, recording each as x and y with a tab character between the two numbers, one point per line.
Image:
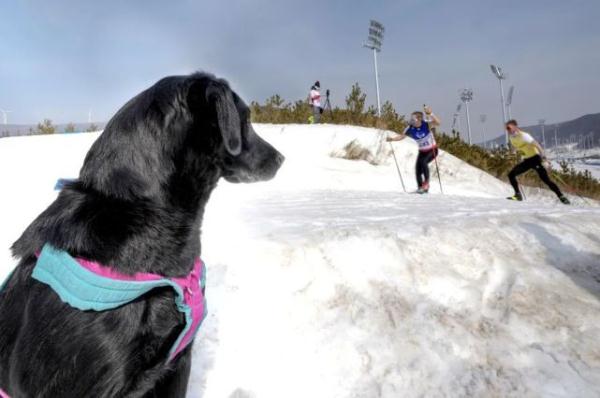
159	235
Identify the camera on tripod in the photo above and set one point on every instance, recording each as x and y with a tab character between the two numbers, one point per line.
327	105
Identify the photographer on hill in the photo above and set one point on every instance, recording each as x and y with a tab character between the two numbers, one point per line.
314	99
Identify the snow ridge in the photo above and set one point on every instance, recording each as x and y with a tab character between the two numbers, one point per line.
329	281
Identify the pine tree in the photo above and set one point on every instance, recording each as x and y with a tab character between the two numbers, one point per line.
70	128
355	101
46	127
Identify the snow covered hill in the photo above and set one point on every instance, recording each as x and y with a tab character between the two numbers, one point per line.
329	281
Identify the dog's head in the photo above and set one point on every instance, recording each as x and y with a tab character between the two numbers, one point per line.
181	129
220	112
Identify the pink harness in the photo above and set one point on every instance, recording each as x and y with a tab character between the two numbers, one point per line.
191	286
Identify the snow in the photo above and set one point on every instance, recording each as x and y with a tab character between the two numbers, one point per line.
329	281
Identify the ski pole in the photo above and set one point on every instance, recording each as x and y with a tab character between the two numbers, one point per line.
522	190
438	173
397	167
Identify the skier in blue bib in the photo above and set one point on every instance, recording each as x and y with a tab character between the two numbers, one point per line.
420	129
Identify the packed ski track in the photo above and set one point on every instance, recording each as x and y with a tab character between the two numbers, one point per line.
330	281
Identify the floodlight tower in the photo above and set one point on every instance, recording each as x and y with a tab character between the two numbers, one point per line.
542	123
509	101
482	119
466	96
5	115
501	76
374	42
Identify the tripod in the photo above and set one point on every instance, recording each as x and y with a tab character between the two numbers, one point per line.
327	105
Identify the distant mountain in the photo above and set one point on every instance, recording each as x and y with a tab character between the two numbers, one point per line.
572	130
11	130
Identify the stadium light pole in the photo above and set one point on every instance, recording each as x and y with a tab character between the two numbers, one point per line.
501	76
466	96
482	119
374	42
509	98
5	115
542	123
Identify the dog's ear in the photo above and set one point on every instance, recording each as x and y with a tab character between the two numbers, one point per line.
228	118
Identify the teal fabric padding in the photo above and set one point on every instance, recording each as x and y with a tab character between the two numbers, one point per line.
85	290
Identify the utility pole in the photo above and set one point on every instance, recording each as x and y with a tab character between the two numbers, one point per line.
5	115
497	71
509	101
542	123
456	119
466	96
482	119
374	42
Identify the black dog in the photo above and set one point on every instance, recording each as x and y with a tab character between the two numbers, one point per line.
137	206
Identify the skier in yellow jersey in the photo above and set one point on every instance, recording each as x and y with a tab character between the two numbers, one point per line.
533	158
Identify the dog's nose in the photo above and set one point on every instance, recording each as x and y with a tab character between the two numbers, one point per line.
279	158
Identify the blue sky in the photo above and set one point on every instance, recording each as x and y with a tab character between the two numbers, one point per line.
61	58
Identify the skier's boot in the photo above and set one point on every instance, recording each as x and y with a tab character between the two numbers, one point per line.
425	187
421	190
564	200
516	196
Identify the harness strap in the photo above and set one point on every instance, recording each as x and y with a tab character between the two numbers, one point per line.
90	286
